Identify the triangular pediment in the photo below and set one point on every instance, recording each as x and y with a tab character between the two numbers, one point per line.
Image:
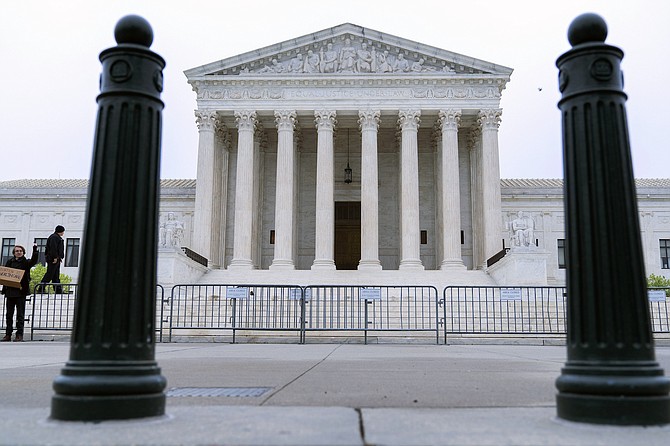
347	50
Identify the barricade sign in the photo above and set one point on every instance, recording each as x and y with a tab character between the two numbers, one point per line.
510	294
656	295
296	294
370	293
234	292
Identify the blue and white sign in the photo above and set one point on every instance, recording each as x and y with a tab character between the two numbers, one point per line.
370	293
235	292
656	295
510	294
296	294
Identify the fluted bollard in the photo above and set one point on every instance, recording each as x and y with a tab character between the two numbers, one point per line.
611	375
112	372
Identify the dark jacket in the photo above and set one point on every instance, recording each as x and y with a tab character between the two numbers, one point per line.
55	248
24	264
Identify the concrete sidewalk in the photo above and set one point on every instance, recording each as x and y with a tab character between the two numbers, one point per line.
322	394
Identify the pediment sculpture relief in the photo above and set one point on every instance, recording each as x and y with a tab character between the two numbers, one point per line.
348	57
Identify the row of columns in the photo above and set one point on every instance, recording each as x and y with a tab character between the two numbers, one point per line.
210	190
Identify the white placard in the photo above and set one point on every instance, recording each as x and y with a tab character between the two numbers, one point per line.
296	294
510	294
656	295
370	293
233	292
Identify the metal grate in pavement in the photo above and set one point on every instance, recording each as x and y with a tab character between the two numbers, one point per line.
239	392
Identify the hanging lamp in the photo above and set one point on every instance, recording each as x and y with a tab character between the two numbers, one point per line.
347	171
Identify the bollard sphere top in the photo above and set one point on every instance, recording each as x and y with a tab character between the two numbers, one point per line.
586	28
133	29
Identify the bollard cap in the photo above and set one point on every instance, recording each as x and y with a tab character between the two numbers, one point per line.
586	28
135	30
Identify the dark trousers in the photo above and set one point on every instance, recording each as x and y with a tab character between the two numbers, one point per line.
20	304
53	275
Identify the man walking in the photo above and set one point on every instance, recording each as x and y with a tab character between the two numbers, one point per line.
54	255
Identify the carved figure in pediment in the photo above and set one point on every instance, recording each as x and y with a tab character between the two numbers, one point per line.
419	66
383	63
311	62
401	64
329	59
296	64
347	57
365	59
275	67
447	69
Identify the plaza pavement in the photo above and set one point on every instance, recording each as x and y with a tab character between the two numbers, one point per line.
322	394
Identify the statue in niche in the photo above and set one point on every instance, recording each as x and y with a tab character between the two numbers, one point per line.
401	64
296	64
328	59
311	62
347	57
365	59
523	231
171	232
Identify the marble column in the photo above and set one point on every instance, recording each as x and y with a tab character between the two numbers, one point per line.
450	191
220	196
410	257
474	146
202	229
489	121
369	124
244	191
283	255
324	256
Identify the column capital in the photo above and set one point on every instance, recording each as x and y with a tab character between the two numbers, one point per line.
245	119
409	119
221	132
489	119
449	119
325	119
473	138
206	120
285	119
369	119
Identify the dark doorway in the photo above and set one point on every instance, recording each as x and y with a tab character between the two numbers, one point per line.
347	234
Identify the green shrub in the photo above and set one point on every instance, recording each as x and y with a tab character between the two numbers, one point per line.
36	274
654	281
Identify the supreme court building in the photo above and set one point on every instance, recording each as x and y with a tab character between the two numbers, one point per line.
348	156
348	149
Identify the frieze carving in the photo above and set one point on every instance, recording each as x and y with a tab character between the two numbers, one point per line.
488	92
347	55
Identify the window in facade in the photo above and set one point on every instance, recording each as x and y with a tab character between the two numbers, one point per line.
41	248
7	247
665	253
560	243
72	252
424	237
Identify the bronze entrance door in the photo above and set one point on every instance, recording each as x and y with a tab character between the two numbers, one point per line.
347	234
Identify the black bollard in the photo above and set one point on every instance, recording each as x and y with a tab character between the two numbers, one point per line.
611	375
112	372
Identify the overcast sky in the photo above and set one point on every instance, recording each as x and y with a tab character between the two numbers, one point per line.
49	69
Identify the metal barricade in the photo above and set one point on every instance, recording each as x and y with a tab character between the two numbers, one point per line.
659	312
372	309
504	310
234	307
53	311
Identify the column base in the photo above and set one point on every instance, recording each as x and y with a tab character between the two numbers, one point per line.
278	264
241	264
452	264
411	264
369	265
324	264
